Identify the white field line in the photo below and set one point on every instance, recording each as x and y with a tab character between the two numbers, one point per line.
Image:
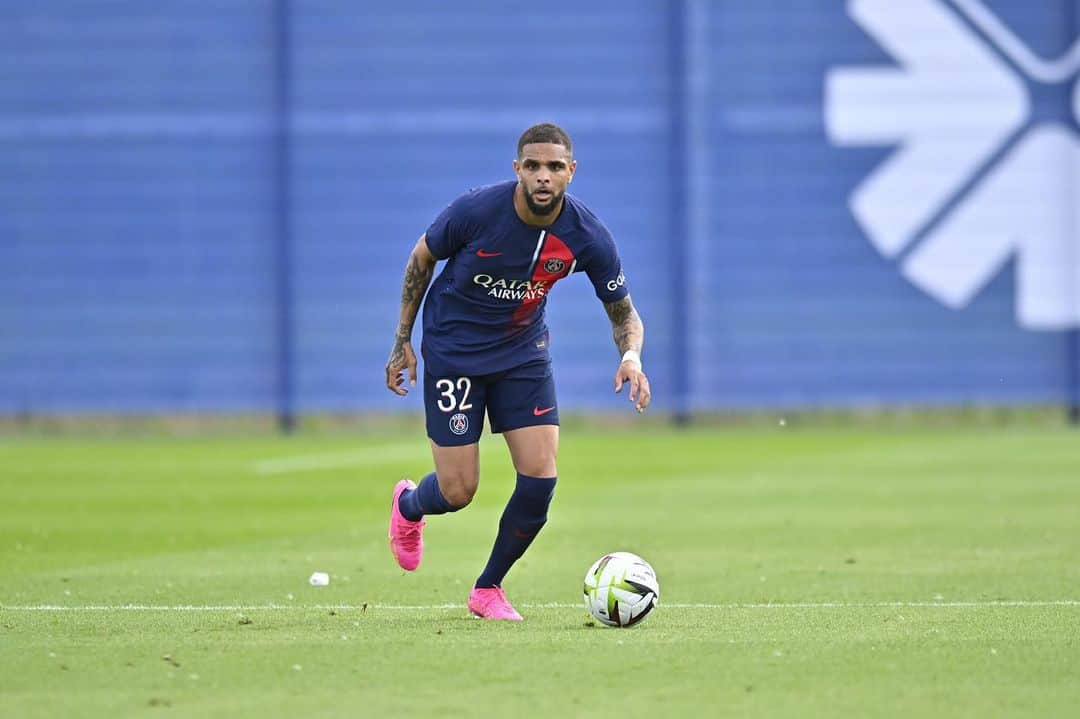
336	460
550	605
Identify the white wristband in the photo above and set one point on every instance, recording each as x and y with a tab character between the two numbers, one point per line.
632	356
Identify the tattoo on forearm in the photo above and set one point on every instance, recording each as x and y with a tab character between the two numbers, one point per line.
417	279
626	325
397	359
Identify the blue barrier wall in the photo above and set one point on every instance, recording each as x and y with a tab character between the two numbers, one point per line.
184	186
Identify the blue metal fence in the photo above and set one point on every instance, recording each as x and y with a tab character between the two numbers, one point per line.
208	205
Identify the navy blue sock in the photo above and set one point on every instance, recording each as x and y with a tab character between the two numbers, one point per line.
427	498
524	516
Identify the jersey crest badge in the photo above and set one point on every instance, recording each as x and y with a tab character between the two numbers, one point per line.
554	265
459	424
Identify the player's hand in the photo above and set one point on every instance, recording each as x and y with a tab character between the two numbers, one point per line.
629	372
402	358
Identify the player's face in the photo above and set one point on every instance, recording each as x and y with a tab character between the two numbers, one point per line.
544	170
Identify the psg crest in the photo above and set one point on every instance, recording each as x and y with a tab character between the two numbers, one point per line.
459	424
554	265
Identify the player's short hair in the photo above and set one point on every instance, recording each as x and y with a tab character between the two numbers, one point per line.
546	132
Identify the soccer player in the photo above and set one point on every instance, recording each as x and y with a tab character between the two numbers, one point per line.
485	347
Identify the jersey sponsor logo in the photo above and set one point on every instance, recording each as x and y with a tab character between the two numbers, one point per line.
459	423
514	290
554	265
484	253
537	412
973	185
616	283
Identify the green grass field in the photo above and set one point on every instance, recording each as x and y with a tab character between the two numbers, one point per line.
804	572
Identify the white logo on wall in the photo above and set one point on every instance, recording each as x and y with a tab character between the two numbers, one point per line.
973	184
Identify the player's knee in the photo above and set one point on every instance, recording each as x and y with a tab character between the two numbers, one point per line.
460	497
538	466
459	489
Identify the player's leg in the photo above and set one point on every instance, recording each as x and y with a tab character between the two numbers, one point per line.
522	406
454	408
456	475
534	450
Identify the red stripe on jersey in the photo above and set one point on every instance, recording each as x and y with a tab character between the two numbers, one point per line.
551	266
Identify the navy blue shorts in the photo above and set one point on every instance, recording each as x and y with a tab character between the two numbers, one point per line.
519	397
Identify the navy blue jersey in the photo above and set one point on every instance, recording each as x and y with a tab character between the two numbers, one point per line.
485	311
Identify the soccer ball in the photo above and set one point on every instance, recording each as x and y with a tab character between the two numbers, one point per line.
621	589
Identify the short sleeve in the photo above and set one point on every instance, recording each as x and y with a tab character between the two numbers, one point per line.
605	269
448	233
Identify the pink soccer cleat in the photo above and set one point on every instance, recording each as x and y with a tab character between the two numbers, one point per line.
491	603
406	537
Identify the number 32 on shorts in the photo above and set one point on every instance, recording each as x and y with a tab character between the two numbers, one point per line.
454	394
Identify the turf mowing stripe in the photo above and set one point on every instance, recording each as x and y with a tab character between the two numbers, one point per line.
551	605
336	460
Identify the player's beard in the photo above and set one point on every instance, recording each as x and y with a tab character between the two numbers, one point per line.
542	210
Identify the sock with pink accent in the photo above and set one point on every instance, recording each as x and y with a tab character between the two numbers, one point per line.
427	498
524	516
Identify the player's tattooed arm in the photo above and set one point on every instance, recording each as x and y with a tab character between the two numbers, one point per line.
418	272
629	333
626	325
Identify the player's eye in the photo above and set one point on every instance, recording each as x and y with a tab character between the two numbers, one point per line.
530	165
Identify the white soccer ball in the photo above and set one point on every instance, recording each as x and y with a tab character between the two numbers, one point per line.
621	589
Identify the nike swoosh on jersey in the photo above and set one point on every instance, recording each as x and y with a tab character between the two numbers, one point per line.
537	411
482	253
